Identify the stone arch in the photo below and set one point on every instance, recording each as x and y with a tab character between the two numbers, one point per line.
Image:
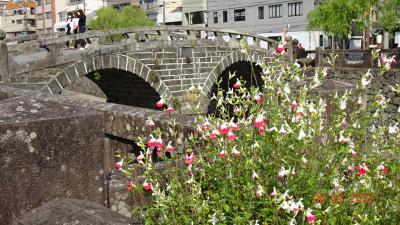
85	66
225	62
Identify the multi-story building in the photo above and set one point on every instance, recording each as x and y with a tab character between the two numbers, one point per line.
150	7
172	10
3	4
194	12
267	18
19	18
47	13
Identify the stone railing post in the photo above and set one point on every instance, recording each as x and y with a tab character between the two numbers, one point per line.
318	56
3	59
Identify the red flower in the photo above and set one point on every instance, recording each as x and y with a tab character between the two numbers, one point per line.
273	54
130	186
118	165
361	171
147	186
293	104
280	48
385	170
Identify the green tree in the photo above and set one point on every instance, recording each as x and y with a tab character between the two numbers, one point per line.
110	18
391	15
337	17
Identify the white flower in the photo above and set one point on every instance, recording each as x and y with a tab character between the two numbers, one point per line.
366	79
286	89
304	159
343	104
302	134
393	129
283	172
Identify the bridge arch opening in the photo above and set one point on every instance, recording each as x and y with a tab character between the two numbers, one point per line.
120	87
243	71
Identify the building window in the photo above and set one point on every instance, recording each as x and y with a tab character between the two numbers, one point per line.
197	17
48	1
39	2
224	16
19	21
39	16
239	15
321	40
48	15
12	21
295	9
275	11
215	16
261	12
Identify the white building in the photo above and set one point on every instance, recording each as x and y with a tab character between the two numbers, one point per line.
173	12
268	18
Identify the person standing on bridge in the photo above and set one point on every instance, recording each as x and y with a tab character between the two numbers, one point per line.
82	27
74	27
68	28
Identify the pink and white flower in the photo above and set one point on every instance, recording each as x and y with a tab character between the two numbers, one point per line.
283	131
146	186
259	122
235	152
214	134
310	217
342	139
294	104
130	186
224	129
280	48
222	153
159	142
160	103
170	110
273	193
258	98
152	141
150	123
362	169
189	159
140	158
234	126
231	136
237	84
170	148
118	165
259	191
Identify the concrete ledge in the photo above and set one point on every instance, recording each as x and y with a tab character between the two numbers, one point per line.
72	212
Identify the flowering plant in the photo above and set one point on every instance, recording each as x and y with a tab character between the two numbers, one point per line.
288	153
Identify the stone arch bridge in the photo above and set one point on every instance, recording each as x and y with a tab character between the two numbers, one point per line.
143	65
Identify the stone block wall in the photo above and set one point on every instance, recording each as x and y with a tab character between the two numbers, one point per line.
382	83
48	150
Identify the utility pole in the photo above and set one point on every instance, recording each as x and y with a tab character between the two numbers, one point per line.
164	12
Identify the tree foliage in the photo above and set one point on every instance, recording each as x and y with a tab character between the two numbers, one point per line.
110	18
391	15
337	16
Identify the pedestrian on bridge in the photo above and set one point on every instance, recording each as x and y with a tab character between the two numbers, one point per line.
82	27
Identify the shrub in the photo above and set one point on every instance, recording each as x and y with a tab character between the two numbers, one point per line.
287	156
